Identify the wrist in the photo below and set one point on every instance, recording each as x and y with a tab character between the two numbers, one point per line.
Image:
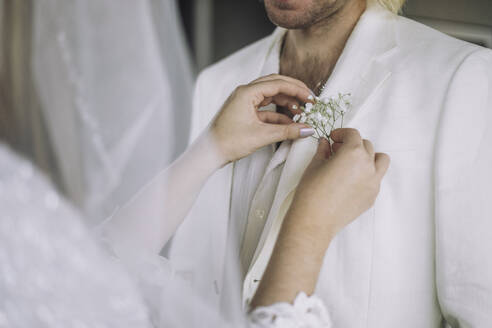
313	217
213	156
310	231
310	239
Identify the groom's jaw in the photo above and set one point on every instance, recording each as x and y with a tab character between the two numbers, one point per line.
300	14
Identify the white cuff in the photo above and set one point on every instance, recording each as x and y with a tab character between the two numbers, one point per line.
306	312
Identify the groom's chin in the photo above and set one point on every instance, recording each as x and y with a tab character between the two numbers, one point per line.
290	14
288	4
294	14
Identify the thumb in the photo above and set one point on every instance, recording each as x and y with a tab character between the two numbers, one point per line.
322	153
324	149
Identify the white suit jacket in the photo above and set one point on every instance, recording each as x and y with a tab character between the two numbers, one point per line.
422	256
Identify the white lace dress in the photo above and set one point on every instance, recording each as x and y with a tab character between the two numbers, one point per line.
53	272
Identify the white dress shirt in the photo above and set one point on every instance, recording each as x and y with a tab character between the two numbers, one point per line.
261	202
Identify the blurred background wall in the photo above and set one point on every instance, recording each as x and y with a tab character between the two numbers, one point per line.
21	123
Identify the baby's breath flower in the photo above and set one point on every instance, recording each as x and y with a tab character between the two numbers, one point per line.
308	107
324	114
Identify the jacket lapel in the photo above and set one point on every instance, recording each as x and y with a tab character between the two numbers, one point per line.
361	70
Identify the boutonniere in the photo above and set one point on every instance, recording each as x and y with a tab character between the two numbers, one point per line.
324	113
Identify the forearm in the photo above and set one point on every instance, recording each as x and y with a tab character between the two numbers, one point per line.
148	221
295	262
237	130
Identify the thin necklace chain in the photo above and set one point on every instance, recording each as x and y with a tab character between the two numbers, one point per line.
323	86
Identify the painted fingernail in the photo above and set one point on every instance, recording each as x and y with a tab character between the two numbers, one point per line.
311	97
306	132
294	106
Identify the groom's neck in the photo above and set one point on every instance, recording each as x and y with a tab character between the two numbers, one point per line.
310	54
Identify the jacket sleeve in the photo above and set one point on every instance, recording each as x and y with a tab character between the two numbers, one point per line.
463	196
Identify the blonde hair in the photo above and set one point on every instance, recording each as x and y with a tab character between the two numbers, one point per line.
392	5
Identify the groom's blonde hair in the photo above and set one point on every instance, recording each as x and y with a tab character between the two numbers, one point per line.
392	5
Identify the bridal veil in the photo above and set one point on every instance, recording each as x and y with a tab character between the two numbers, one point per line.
114	80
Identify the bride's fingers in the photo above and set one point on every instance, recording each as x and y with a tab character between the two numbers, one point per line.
292	104
369	147
336	146
285	101
347	136
273	118
265	89
265	102
272	77
382	162
288	80
281	132
324	149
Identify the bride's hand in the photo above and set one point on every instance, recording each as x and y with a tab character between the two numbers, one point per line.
239	128
341	182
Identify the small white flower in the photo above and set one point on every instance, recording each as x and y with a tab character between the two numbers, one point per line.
343	108
325	113
308	107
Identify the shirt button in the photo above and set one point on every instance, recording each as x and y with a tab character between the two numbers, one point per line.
260	214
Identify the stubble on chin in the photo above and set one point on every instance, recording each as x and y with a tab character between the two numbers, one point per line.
283	15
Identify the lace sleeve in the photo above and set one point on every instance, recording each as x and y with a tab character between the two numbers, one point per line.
306	312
